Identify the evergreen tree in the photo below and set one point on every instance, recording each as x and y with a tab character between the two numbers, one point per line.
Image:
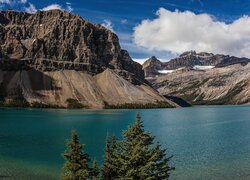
135	157
140	158
110	166
76	165
94	170
115	153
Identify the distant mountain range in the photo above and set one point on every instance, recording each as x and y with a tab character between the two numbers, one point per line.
217	80
52	57
153	66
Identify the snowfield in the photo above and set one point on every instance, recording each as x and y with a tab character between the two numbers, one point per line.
203	67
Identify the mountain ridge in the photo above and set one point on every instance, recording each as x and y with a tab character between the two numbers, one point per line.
190	59
229	85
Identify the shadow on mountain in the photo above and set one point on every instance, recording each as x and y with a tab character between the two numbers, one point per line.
16	78
181	102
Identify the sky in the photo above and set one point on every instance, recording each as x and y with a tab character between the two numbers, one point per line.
163	28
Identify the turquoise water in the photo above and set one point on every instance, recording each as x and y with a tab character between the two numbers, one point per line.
207	142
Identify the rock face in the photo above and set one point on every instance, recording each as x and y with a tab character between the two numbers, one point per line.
52	56
189	60
228	85
53	40
152	66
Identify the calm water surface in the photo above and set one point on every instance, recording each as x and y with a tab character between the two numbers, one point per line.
207	142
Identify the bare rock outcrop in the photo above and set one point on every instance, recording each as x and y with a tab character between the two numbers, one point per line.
57	40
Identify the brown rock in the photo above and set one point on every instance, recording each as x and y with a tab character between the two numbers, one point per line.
57	36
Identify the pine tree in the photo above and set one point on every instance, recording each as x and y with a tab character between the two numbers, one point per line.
115	164
110	166
94	170
140	158
76	165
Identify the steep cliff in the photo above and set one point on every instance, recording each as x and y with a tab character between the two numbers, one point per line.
53	40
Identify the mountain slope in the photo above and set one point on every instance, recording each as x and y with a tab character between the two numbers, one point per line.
228	85
54	88
52	56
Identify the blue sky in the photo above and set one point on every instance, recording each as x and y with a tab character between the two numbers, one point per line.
124	16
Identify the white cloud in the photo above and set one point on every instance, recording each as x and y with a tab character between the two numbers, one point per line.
69	7
58	6
124	21
52	6
13	2
5	1
140	60
108	24
183	31
30	9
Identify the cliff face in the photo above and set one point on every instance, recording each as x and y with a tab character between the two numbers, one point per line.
52	56
53	40
191	59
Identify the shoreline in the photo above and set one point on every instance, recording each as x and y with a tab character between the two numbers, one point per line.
65	108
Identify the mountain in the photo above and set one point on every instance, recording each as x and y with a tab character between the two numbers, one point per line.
228	85
52	40
190	59
53	56
152	66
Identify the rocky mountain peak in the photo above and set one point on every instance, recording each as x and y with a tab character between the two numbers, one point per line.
153	58
54	40
151	61
189	60
151	66
195	54
188	53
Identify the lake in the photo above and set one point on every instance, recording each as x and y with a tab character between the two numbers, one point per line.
207	142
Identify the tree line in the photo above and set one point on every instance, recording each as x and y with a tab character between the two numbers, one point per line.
135	157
